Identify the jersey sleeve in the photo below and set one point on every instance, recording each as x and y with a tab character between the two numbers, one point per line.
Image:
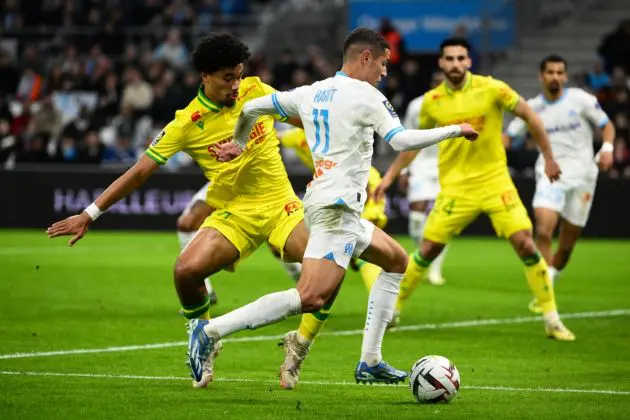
167	143
265	89
592	111
412	116
506	97
287	104
384	118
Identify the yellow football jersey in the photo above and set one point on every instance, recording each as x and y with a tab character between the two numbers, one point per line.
296	139
480	103
257	176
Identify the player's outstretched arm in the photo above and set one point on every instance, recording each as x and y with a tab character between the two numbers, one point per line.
78	225
406	140
252	110
537	129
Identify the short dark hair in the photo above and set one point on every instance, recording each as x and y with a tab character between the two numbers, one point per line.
553	58
365	38
218	52
454	42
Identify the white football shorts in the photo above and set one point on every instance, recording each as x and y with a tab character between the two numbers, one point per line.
336	234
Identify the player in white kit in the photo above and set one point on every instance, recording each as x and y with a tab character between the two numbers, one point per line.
340	116
570	116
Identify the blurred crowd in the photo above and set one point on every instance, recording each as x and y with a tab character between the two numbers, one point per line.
93	81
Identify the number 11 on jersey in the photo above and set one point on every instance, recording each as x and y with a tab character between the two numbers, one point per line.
323	113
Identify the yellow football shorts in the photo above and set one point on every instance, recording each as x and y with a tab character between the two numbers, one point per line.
455	209
247	226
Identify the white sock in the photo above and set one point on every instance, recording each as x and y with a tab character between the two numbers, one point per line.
208	285
551	317
380	311
293	269
416	225
266	310
184	238
553	274
435	269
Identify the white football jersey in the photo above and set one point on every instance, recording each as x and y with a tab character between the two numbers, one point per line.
340	116
425	163
569	122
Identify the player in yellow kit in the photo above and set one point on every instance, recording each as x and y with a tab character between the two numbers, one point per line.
474	176
252	195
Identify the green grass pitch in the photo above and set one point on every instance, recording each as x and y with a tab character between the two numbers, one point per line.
115	290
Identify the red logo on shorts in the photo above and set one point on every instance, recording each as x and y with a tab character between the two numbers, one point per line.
587	197
292	207
196	116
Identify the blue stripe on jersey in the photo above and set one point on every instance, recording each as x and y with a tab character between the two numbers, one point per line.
603	122
278	107
340	73
390	135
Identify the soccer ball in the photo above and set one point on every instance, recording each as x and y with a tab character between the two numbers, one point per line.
434	379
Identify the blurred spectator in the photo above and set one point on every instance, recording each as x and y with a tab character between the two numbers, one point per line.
33	150
395	40
29	87
178	12
137	95
9	74
8	145
597	78
67	151
46	118
173	50
615	47
92	150
109	98
120	152
283	70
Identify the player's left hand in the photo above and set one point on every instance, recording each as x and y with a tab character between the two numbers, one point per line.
228	151
552	169
605	160
76	225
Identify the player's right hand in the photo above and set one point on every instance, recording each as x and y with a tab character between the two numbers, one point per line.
468	132
552	170
76	225
228	151
379	191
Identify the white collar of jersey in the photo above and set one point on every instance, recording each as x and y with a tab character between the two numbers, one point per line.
340	73
554	101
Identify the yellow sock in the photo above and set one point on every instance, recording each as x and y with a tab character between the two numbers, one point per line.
369	273
416	270
311	324
537	274
199	311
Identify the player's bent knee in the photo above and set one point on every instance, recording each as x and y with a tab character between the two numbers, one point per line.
185	223
523	243
186	269
399	262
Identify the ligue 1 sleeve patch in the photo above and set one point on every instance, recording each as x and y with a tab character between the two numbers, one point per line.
390	109
157	138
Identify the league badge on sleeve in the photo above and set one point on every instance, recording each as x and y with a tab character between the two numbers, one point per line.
390	109
158	138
